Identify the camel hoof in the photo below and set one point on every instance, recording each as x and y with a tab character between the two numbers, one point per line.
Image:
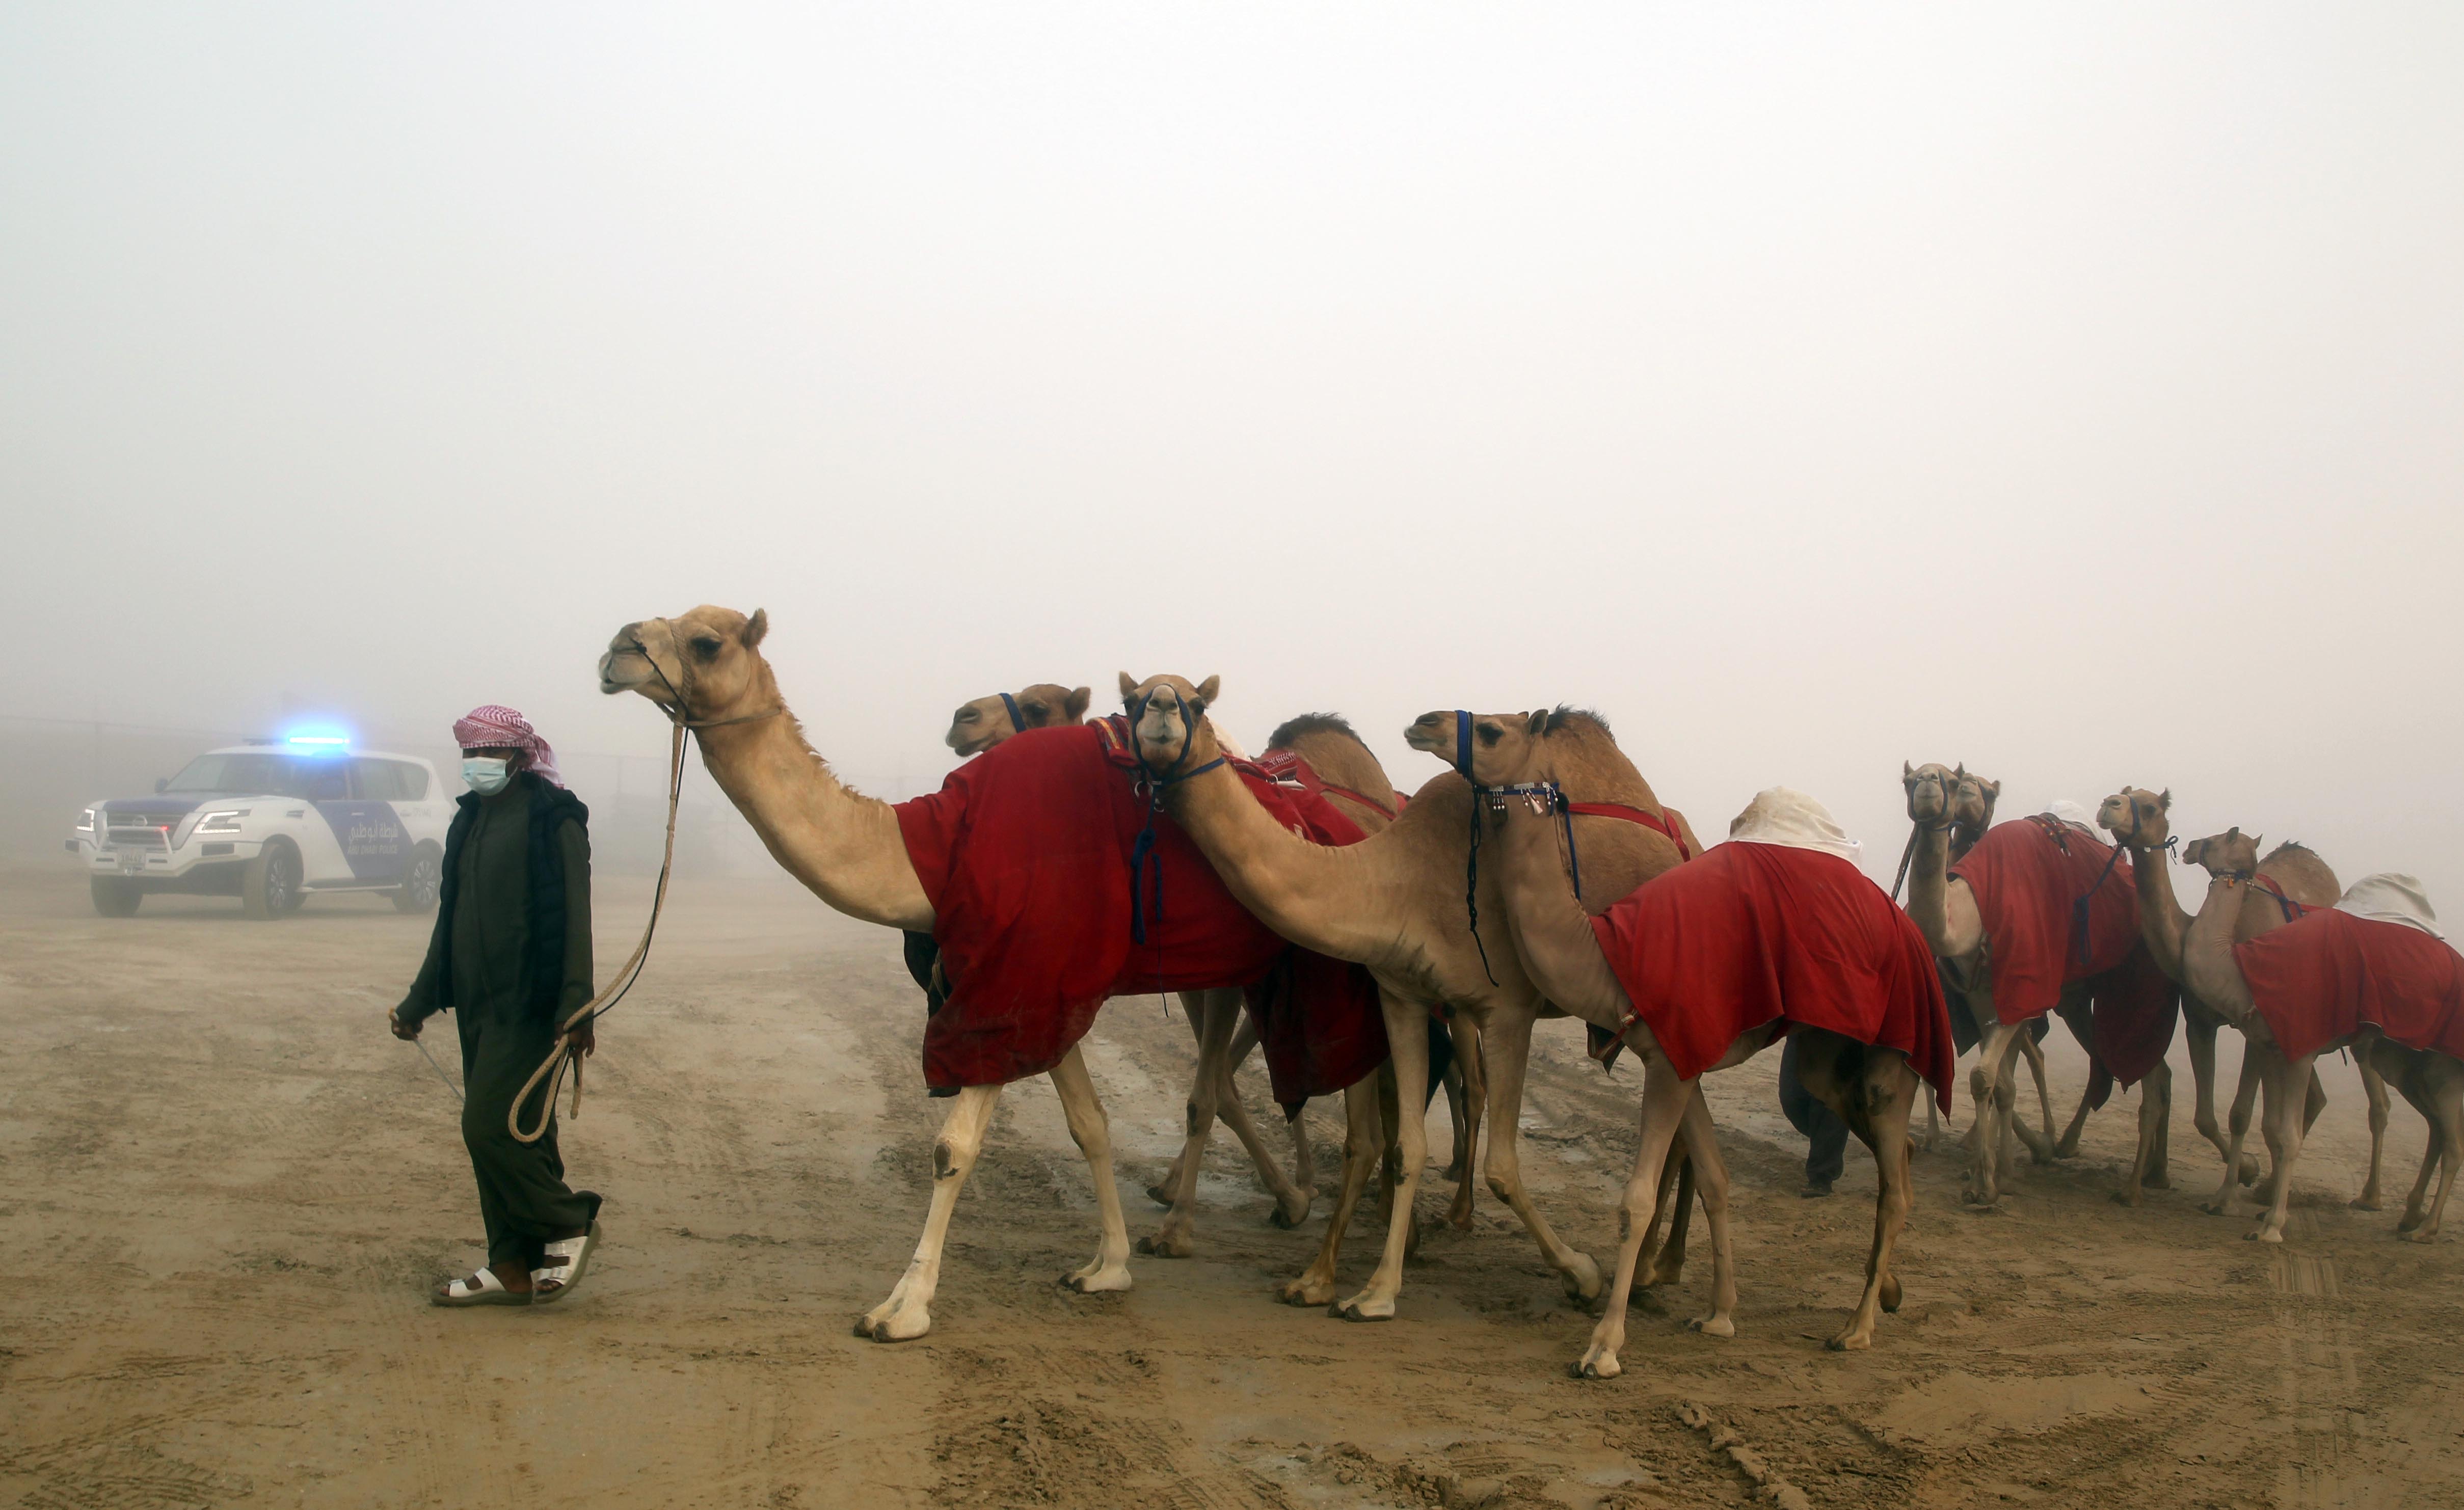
1160	1197
1300	1292
1598	1364
1983	1208
1713	1325
895	1329
1095	1279
1357	1310
2158	1180
2419	1236
1167	1245
2215	1208
1851	1341
1890	1296
2124	1198
2249	1171
1286	1220
2365	1203
2263	1235
1583	1280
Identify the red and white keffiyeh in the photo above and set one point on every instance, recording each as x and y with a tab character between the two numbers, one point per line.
494	726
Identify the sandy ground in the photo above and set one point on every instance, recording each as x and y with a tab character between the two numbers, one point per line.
223	1193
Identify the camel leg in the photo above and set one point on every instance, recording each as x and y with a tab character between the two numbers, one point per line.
1176	1237
1093	1131
1304	1156
2051	1147
2415	1205
1703	1154
1664	1102
1663	1260
1362	1144
1194	1011
1390	1119
1409	1043
1475	1097
2288	1087
2373	1086
2199	1033
2155	1107
1882	1121
1293	1196
2444	1106
1505	1047
2240	1167
1991	1086
907	1313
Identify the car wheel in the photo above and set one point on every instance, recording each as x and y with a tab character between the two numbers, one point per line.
418	890
112	898
269	886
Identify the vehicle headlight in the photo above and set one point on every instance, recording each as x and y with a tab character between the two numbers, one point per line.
224	821
85	822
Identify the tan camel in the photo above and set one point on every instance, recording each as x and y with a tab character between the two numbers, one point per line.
1395	904
1873	1091
984	722
2141	820
705	668
2433	1082
1944	910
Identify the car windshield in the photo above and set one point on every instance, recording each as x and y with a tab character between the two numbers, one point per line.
243	772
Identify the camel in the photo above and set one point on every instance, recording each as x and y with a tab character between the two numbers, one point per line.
1944	909
1871	1087
2290	880
1394	904
705	670
2433	1081
984	722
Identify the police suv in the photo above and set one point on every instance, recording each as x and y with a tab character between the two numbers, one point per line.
269	823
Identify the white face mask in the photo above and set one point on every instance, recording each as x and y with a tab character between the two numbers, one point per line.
486	774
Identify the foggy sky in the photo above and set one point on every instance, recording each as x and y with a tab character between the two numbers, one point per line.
2073	393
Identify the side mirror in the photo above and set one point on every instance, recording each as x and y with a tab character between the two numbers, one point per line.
162	784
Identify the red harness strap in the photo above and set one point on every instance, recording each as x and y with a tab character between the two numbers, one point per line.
1365	801
1666	825
2292	909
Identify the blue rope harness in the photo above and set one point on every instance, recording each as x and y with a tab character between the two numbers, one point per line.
2079	905
1142	852
1017	724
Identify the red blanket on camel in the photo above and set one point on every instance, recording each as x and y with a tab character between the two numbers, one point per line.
1024	854
2027	875
1749	933
2322	980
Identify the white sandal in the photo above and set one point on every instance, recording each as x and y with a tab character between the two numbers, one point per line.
551	1284
490	1291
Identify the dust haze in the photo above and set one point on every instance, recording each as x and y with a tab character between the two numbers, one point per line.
2074	396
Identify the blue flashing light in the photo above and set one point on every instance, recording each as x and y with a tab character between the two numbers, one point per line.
317	741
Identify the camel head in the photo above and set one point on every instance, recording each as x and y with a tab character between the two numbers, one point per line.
2231	853
1503	745
705	665
985	722
1168	721
1940	797
2137	818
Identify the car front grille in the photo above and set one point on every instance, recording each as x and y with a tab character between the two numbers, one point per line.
138	833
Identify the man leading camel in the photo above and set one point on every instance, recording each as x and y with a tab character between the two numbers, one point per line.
510	957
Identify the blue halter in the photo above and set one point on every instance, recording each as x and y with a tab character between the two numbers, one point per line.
1142	852
1016	724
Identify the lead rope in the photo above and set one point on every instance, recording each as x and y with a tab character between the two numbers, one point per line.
1471	862
552	1069
1017	724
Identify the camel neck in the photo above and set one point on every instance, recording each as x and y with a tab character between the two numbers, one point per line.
2162	919
1321	897
1929	887
2209	970
844	846
1551	932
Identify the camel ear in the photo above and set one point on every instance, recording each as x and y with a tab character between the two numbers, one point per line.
1535	723
754	628
1959	772
1991	789
2165	801
1207	689
1908	772
2258	840
2233	832
1129	687
1075	706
